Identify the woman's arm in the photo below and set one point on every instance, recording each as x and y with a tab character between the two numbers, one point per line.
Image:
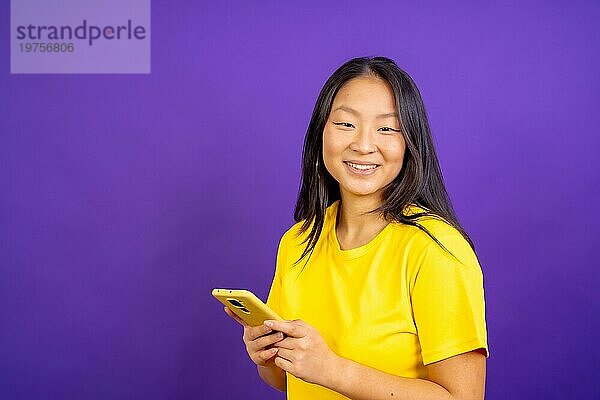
304	354
461	377
273	376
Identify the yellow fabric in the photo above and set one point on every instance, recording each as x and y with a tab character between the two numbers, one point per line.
395	304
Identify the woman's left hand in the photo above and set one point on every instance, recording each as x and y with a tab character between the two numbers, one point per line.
304	353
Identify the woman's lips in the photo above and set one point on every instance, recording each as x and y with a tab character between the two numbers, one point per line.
372	168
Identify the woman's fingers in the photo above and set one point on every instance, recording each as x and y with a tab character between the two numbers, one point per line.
257	339
287	343
286	354
258	351
284	364
267	340
254	332
267	354
291	328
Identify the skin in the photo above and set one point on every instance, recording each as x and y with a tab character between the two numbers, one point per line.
361	135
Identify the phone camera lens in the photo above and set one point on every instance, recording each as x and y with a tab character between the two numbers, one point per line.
236	303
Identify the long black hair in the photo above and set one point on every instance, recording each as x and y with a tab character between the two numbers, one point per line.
420	180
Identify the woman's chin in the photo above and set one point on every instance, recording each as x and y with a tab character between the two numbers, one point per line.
360	192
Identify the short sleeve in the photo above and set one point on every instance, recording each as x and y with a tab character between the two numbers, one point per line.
274	298
448	302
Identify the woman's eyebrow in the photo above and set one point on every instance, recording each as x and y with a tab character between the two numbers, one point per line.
353	111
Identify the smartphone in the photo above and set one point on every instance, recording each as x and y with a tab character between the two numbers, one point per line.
246	305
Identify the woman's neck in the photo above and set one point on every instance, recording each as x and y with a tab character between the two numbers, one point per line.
354	225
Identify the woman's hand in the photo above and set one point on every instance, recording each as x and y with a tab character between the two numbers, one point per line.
304	353
259	341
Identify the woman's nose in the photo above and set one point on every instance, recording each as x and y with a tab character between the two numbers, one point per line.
363	142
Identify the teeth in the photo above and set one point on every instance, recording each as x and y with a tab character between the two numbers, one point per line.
361	167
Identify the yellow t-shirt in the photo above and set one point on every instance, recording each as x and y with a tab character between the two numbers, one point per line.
395	304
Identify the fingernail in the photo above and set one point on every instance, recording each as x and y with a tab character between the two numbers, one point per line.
269	323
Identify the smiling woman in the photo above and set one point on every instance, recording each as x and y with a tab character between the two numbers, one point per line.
388	301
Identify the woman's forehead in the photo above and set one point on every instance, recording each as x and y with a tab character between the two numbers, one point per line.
367	94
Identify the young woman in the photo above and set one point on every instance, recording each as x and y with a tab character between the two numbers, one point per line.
379	285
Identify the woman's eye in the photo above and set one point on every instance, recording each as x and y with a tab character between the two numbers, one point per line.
388	129
344	124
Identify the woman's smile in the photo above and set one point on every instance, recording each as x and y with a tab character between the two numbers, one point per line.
361	169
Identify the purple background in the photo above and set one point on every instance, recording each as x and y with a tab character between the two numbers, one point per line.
126	198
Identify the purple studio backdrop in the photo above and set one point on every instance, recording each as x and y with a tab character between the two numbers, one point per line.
125	198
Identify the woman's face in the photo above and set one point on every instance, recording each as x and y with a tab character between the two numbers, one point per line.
363	147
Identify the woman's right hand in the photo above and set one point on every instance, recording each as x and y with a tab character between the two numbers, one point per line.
259	341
